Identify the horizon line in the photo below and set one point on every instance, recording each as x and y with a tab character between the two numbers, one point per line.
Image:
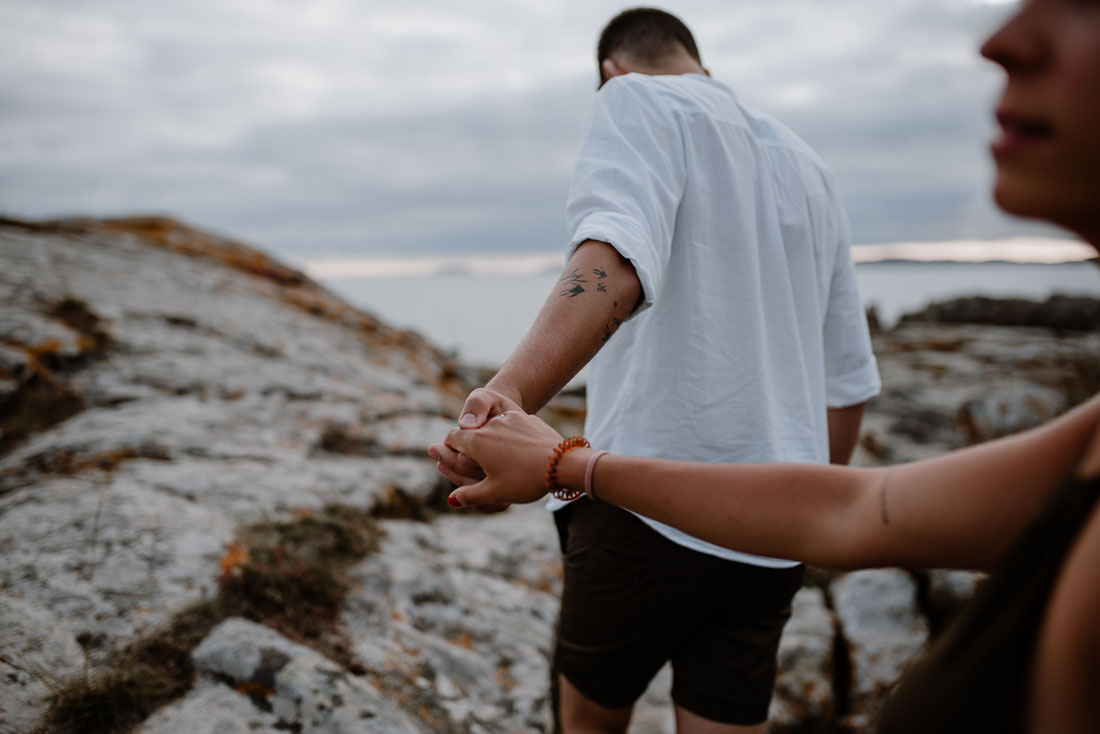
1016	250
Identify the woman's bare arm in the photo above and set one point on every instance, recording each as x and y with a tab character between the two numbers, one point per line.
959	510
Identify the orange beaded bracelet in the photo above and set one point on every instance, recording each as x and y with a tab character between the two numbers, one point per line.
575	442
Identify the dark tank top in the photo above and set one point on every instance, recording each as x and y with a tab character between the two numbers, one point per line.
976	677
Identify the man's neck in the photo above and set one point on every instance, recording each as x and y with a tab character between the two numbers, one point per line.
677	62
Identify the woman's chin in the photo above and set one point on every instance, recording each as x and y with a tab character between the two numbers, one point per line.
1027	197
1066	212
1016	200
1065	201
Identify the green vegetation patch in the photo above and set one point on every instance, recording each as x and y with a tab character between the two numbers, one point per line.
43	399
291	576
139	679
76	314
40	402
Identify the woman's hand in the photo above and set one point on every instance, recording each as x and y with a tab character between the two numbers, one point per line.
461	470
511	448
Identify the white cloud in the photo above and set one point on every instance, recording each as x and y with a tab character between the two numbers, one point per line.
389	125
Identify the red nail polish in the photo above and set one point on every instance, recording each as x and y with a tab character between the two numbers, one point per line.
453	501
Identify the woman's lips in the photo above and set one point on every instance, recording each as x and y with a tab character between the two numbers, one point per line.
1018	131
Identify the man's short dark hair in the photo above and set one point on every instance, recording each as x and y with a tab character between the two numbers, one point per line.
647	35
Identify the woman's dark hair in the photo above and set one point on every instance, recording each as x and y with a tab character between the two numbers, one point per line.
646	34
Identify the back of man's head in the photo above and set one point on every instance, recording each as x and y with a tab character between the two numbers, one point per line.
647	36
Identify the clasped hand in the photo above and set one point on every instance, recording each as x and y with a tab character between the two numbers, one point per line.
500	462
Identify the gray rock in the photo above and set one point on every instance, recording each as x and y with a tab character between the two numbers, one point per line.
1009	411
37	652
200	414
42	333
212	707
300	688
930	371
804	690
883	629
400	435
459	614
1074	313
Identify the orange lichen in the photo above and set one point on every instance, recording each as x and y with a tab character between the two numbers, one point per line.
254	690
504	679
235	556
48	348
70	462
86	344
172	235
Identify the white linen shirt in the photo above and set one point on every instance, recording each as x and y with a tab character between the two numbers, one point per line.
751	322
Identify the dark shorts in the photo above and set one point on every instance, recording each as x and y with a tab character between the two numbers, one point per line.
633	600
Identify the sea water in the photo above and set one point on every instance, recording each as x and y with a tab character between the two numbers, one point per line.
480	315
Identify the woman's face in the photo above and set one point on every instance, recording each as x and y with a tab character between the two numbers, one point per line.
1048	150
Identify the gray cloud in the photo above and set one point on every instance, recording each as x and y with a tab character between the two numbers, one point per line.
337	127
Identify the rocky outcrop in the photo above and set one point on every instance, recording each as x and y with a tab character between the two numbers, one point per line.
951	385
1063	313
161	388
212	477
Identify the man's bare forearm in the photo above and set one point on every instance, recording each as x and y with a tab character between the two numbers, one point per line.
597	292
844	426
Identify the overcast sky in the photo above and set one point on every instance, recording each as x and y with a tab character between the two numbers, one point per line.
366	127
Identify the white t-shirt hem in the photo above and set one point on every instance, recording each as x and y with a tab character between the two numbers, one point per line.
855	387
687	541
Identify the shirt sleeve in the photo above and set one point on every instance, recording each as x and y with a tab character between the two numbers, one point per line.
851	371
629	179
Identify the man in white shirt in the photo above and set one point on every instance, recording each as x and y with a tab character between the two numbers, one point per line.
710	284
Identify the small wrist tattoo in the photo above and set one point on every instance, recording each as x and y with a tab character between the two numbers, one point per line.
882	497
